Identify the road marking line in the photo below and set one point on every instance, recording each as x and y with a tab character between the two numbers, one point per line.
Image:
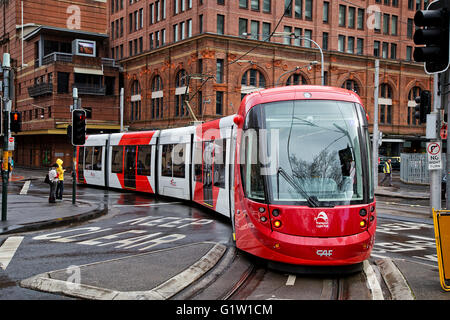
291	280
145	204
372	281
25	187
8	249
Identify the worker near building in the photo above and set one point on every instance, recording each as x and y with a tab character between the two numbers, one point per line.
387	170
60	186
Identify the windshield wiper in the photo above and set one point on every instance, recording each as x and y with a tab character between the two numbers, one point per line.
311	200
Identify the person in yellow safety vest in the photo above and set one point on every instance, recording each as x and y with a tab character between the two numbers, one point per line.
387	169
60	186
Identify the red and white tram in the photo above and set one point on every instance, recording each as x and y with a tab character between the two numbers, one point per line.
291	170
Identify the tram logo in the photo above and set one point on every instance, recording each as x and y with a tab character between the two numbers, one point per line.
321	220
326	253
172	182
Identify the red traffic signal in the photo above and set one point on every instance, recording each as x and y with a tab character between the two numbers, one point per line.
78	127
15	121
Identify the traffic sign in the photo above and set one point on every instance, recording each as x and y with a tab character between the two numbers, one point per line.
434	155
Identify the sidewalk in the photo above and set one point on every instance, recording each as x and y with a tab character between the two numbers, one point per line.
33	212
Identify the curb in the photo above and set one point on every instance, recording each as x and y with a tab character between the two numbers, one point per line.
46	224
401	195
395	281
166	290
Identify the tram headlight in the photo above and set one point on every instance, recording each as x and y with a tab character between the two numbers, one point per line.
362	224
277	223
276	213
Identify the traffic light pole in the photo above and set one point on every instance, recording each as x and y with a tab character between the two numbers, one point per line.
435	175
6	134
74	157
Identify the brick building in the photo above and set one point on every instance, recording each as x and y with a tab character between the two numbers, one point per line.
60	45
160	42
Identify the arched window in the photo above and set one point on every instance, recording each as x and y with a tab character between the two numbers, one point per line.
413	93
385	103
351	85
296	79
157	98
135	101
180	92
252	80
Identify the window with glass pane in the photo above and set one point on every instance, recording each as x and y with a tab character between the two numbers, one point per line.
242	26
219	71
144	160
255	5
265	31
166	160
243	4
89	151
298	8
117	159
308	9
220	24
178	156
266	6
97	158
254	29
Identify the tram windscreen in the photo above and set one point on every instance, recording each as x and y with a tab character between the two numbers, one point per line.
303	151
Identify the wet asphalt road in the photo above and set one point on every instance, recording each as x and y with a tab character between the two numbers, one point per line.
164	223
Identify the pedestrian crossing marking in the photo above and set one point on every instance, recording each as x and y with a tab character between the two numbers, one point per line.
8	249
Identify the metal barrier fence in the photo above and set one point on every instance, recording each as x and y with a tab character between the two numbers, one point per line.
414	167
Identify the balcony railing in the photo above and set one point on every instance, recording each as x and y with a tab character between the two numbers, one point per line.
91	89
68	58
57	57
40	89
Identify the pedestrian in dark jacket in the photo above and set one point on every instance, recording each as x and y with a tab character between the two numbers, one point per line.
53	177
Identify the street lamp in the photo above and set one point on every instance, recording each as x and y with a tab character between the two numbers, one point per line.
290	34
309	65
308	39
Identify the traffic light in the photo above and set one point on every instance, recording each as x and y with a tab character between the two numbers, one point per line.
15	122
423	106
432	30
78	127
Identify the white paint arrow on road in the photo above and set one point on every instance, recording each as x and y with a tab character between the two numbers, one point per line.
8	249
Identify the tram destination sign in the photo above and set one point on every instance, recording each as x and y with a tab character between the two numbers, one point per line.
434	155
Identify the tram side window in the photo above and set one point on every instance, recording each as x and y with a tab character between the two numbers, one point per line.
144	160
97	158
252	180
172	160
117	159
220	150
198	161
178	160
166	160
88	158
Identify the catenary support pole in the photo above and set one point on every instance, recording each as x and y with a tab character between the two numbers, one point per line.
6	134
74	158
375	134
435	175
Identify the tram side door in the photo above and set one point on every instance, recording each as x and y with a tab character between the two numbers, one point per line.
208	155
129	179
